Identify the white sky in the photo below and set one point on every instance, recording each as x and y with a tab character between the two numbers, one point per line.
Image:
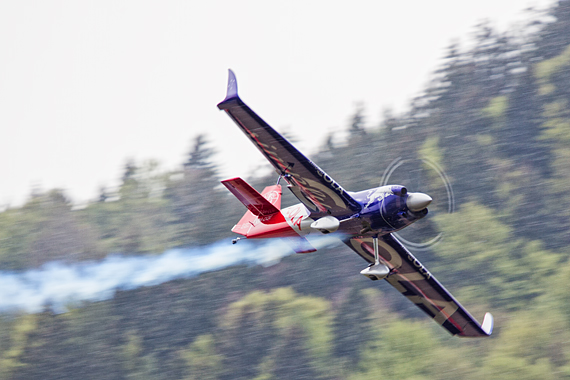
84	85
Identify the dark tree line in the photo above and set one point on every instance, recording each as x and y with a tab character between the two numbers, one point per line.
495	120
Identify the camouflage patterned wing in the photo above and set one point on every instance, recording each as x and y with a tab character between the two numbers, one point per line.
310	184
416	283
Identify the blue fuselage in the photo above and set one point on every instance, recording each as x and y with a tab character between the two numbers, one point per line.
384	210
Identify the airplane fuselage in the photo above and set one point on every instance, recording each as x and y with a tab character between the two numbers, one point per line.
384	210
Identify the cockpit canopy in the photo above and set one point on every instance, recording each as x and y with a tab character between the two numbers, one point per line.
394	189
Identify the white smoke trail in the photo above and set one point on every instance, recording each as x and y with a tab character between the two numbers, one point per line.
60	285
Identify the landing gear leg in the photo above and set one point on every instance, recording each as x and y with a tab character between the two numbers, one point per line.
376	254
377	271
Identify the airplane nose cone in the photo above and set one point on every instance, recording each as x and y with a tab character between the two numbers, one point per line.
418	201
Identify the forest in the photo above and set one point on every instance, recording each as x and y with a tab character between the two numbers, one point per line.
495	118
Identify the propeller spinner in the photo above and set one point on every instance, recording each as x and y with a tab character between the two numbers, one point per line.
418	201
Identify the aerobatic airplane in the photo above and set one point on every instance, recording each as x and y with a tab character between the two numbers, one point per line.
363	220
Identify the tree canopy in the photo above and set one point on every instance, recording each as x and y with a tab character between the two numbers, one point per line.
495	120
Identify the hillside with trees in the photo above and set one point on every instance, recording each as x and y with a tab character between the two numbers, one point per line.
495	119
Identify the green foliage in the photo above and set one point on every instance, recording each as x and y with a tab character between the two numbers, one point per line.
14	235
553	74
12	348
138	221
477	242
533	344
288	325
557	124
430	151
479	233
202	360
351	326
558	298
497	108
405	349
45	229
545	69
131	352
496	118
137	365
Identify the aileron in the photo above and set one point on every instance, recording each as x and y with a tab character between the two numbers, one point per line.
411	278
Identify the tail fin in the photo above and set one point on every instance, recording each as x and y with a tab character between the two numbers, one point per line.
264	204
265	207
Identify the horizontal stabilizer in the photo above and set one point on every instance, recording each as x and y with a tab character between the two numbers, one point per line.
251	198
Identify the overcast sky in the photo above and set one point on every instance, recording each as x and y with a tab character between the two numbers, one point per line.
84	85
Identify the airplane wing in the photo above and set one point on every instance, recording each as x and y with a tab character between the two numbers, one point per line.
310	184
416	283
